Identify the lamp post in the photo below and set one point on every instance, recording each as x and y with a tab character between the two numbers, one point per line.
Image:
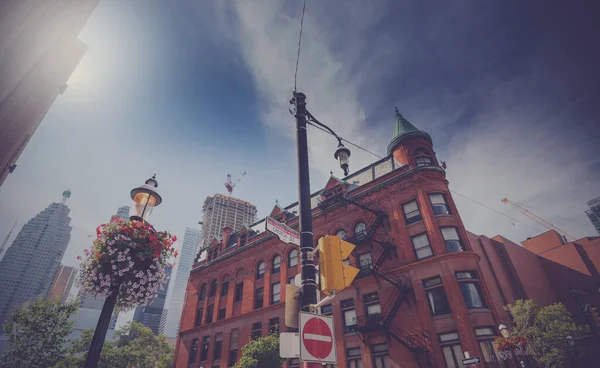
145	198
506	334
307	273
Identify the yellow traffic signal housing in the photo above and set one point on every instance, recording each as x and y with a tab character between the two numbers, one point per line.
595	315
335	274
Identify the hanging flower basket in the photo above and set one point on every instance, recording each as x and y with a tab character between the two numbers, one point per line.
506	347
128	257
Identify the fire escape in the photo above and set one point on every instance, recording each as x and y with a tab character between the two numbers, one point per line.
381	249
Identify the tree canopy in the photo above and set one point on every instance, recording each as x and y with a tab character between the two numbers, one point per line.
546	330
134	346
262	352
37	333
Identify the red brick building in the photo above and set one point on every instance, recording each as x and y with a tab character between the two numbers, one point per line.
427	292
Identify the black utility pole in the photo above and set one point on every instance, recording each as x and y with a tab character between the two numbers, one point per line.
93	355
308	284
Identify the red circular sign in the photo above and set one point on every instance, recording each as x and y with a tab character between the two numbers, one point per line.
317	338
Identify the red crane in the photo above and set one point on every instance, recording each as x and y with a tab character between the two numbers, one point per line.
230	184
537	219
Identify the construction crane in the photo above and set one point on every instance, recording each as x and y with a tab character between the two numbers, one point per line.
230	184
538	219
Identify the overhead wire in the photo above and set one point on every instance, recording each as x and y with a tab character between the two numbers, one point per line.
299	43
437	183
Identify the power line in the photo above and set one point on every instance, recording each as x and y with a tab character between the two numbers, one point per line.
437	183
299	43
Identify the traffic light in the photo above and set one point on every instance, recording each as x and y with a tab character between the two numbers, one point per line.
595	315
335	275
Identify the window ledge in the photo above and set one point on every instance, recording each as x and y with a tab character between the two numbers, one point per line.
479	310
442	316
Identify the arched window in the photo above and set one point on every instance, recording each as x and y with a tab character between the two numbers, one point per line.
203	292
341	234
213	288
360	228
293	258
276	264
422	158
225	286
260	270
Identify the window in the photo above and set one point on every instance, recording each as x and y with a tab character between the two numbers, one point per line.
411	212
421	245
294	362
260	270
365	260
451	349
293	258
275	293
276	264
438	203
436	296
221	314
204	349
353	358
486	336
232	358
451	238
422	158
203	292
213	288
259	298
193	351
372	306
209	313
327	309
256	330
239	292
349	315
360	228
218	349
199	312
341	234
292	280
225	286
274	326
381	357
469	285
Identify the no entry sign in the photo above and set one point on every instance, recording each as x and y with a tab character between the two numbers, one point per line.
317	341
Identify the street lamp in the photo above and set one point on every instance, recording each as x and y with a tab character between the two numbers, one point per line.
145	198
307	273
504	331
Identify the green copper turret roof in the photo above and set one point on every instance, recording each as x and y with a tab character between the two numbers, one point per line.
404	129
402	125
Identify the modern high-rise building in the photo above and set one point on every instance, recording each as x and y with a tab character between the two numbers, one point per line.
221	211
61	286
123	213
4	244
88	314
594	213
151	315
189	249
32	261
39	51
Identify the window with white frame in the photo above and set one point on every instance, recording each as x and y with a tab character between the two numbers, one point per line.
275	293
451	238
469	285
341	234
293	258
276	264
438	204
360	228
260	270
451	349
349	315
411	212
365	260
421	245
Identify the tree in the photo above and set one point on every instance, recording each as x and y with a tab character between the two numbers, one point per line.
134	346
262	352
546	330
37	333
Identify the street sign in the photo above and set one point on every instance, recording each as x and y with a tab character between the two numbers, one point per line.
474	360
317	342
285	233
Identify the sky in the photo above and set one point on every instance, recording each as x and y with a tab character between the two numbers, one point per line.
193	91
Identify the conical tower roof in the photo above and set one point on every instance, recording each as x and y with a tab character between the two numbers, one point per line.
404	129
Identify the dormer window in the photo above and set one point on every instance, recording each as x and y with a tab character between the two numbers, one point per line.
422	158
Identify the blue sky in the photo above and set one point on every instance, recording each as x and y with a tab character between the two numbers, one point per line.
195	90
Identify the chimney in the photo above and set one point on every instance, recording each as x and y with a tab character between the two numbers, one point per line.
226	236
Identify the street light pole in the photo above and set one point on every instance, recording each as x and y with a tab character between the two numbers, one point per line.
307	272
